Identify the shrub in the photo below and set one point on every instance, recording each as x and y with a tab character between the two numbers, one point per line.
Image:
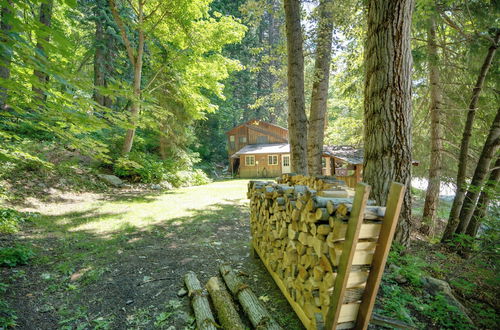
13	256
138	166
444	315
10	220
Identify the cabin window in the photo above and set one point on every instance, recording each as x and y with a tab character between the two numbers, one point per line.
243	139
250	160
262	139
286	160
231	142
272	160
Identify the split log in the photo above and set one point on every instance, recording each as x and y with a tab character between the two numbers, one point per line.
256	312
204	318
226	311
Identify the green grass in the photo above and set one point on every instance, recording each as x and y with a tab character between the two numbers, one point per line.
130	213
75	242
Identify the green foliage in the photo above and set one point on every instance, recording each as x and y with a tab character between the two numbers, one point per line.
148	168
411	267
11	220
444	315
14	256
8	316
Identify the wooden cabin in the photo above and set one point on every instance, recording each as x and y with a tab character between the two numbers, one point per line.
343	162
258	149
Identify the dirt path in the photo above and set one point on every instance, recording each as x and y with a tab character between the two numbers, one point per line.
117	261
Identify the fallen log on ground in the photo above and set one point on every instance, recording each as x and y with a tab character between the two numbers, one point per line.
224	306
204	318
256	312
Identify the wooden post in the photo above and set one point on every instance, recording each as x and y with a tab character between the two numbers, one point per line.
349	247
394	202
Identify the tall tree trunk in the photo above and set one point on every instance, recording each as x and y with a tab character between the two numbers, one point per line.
319	96
297	119
6	55
464	146
387	105
483	164
45	18
432	195
484	200
101	57
136	63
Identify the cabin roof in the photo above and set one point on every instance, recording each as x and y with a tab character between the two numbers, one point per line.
345	153
256	122
270	148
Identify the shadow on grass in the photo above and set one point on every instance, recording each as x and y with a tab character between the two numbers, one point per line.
89	278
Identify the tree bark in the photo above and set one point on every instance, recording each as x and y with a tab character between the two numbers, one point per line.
101	54
484	200
482	168
6	55
432	195
136	63
204	317
464	146
387	105
223	303
256	312
297	119
45	18
319	96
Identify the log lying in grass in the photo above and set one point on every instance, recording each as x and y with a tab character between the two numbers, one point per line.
256	312
204	318
224	306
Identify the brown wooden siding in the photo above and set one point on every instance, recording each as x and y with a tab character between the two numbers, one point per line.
253	132
260	170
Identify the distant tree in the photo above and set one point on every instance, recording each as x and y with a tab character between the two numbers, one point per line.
319	95
6	53
297	119
488	191
43	37
388	111
458	201
490	148
436	102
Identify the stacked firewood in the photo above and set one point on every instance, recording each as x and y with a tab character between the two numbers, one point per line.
298	230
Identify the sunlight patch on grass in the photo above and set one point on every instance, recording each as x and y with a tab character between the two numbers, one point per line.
172	208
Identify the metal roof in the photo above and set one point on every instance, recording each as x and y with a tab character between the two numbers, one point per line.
270	148
346	153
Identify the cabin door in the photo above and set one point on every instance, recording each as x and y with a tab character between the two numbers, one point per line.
285	164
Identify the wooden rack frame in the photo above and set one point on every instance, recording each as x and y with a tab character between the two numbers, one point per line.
342	315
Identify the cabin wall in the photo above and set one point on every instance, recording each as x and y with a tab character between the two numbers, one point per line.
256	133
261	169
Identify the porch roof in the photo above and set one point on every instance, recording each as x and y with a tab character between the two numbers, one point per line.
270	148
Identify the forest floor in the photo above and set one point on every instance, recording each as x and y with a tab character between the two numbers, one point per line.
117	260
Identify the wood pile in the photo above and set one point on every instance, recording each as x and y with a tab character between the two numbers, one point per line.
299	227
227	315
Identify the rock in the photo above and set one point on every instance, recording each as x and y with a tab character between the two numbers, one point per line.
182	292
439	287
400	279
166	185
111	179
156	187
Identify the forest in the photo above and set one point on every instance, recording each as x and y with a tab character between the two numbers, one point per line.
114	149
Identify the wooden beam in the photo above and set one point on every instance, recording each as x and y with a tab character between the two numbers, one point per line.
263	131
389	223
345	263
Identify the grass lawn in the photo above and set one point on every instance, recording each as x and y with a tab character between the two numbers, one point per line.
117	261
